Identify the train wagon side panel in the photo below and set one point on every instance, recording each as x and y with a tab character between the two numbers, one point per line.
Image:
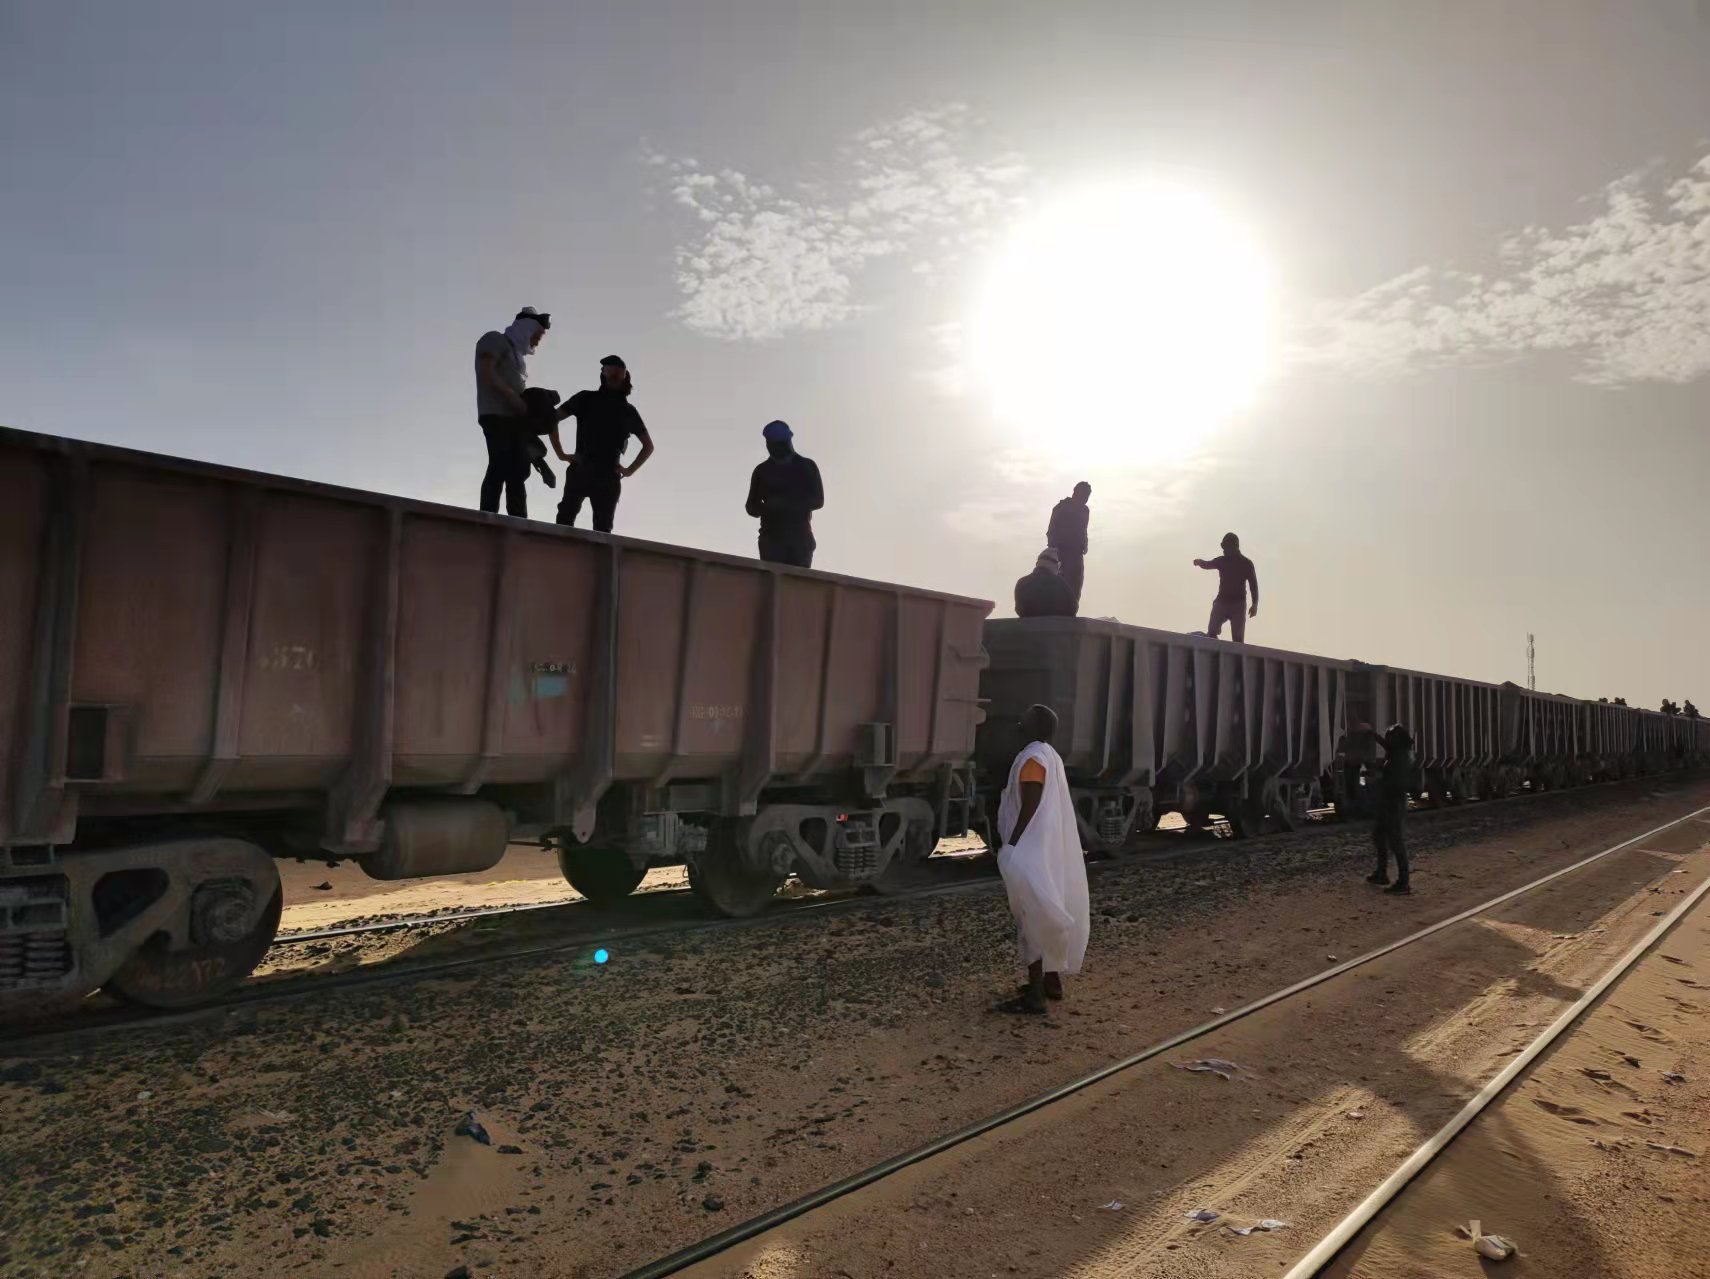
203	668
1150	721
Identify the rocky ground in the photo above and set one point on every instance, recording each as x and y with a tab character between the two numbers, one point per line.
689	1083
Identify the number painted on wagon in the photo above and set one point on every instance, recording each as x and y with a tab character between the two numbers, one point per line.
288	657
707	710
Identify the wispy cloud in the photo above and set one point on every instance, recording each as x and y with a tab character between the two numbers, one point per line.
767	261
1627	291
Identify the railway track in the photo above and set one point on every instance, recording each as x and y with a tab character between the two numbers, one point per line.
1154	847
1161	849
1343	1233
1321	1253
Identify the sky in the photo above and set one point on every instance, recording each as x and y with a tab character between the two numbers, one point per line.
1416	299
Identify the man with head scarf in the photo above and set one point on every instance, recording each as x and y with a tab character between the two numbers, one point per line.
1044	870
1043	592
605	420
1067	535
1235	574
508	420
1395	783
783	494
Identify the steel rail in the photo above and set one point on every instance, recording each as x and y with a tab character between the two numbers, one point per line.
1326	1249
1316	817
20	1035
713	1245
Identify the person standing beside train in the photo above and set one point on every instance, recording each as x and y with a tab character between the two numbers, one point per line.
1395	783
506	417
1235	574
783	494
1043	866
605	420
1067	535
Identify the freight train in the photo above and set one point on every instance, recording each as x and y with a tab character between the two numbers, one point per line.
203	670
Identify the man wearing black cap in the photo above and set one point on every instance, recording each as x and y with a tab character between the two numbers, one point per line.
783	494
605	419
507	419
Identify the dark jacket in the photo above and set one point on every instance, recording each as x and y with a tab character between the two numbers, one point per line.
1068	528
783	494
1395	783
1043	593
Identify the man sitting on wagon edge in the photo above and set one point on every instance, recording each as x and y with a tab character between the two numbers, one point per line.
1043	592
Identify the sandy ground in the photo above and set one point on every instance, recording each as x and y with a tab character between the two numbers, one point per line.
1594	1162
1333	1089
329	894
700	1079
318	895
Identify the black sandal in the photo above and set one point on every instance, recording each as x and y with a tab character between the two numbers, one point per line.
1018	1004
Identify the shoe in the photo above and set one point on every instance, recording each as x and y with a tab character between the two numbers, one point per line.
1399	889
546	475
1377	879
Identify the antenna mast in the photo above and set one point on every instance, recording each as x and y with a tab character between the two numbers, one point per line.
1531	663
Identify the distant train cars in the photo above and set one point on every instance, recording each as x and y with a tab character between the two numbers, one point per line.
202	670
1154	722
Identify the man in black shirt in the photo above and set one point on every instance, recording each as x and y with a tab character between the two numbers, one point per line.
1394	784
605	419
783	494
1067	535
1234	575
1043	592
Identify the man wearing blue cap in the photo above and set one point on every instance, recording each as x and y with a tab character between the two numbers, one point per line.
783	494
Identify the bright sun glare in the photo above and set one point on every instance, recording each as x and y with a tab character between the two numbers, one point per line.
1135	317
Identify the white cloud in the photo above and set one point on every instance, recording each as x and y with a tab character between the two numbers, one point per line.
1627	291
767	262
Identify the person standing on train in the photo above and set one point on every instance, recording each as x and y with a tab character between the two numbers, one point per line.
506	417
605	420
1043	592
783	494
1395	782
1234	575
1067	535
1043	867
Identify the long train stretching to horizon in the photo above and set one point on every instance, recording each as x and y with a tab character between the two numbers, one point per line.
204	669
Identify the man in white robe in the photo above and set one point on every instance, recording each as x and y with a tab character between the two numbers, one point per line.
1043	867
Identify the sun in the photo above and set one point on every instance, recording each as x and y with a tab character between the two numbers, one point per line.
1124	321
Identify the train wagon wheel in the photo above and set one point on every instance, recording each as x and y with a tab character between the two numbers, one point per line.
224	948
726	879
605	876
907	870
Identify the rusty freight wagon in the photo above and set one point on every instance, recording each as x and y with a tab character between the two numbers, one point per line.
1151	722
202	669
